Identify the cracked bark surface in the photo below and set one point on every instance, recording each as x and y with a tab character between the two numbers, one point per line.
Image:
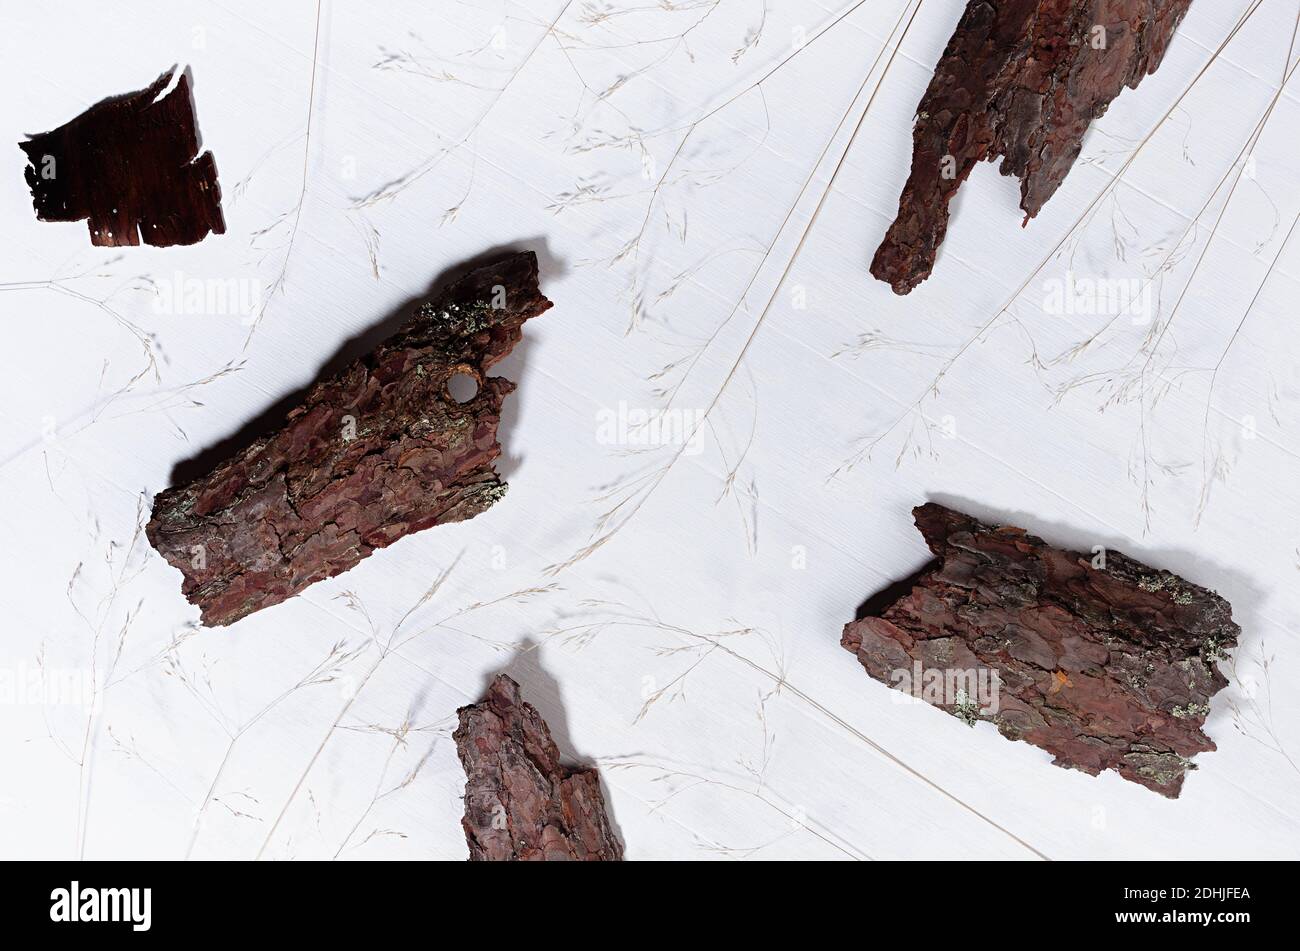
376	452
130	166
521	804
1104	667
1021	80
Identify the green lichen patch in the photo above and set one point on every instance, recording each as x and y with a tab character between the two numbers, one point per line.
966	710
1190	710
457	318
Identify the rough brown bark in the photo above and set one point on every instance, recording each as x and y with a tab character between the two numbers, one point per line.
377	452
520	803
1104	667
1020	79
131	167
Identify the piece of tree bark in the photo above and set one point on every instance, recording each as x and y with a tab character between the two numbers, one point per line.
379	451
1098	659
1020	79
520	802
130	166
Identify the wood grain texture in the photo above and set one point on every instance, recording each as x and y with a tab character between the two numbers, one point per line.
130	166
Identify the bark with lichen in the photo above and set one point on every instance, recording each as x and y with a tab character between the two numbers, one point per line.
1102	661
379	451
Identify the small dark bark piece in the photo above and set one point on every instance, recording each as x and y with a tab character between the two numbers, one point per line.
378	451
520	803
131	167
1020	80
1104	667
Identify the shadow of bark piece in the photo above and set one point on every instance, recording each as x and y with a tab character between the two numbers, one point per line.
1101	660
357	346
364	343
521	804
1020	80
373	452
878	603
130	166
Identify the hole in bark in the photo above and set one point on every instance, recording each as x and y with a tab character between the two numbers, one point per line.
462	387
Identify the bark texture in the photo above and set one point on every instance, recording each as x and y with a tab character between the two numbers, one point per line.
1104	667
1020	80
520	803
130	166
378	451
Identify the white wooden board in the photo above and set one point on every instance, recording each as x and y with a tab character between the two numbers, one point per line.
691	177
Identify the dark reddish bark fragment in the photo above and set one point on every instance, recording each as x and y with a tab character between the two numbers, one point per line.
520	803
1104	667
1020	80
378	451
131	167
